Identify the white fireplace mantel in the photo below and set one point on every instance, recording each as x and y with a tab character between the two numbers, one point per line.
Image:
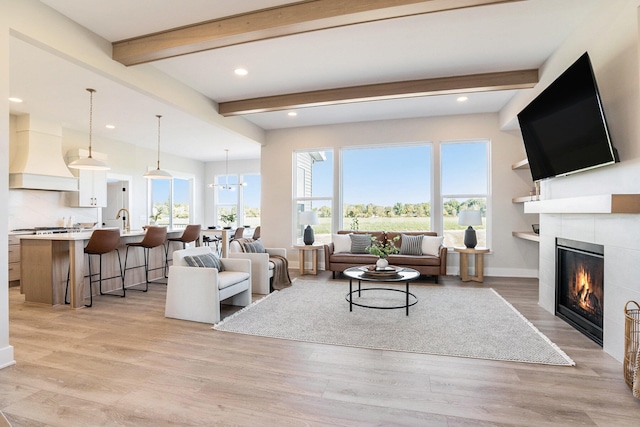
600	204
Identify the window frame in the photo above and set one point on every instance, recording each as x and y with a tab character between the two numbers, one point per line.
174	175
466	196
329	199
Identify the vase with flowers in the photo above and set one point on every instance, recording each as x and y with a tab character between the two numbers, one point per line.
383	250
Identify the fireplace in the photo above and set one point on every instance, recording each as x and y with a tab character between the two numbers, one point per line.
580	286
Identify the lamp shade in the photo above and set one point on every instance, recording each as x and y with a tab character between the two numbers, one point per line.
470	217
308	218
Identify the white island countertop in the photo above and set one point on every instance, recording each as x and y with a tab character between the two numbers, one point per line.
83	235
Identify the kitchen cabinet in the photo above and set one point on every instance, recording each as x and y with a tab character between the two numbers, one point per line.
92	189
14	260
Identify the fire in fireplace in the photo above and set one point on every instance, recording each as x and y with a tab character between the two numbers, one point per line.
580	286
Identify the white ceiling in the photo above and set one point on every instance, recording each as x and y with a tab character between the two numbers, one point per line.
504	37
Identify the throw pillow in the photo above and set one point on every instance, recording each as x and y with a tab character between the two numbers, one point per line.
411	245
341	243
360	243
431	245
254	247
205	261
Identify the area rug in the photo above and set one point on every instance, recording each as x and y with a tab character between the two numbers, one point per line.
464	322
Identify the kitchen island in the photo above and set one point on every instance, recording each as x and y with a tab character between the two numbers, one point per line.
46	260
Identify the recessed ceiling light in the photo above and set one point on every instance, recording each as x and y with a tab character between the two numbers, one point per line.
292	114
462	98
12	99
241	72
110	126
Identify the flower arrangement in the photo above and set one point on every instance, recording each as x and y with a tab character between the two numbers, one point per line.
383	250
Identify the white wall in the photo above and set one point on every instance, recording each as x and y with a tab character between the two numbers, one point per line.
510	256
611	38
6	350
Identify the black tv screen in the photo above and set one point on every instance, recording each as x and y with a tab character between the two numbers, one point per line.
564	128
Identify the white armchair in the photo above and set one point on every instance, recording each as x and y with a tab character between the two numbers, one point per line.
261	267
195	293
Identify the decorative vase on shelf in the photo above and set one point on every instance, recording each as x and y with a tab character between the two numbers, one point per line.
382	263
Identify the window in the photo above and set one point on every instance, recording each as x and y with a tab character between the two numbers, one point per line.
465	177
241	200
171	201
314	192
387	188
251	200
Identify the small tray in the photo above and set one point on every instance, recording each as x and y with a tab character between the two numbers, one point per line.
390	272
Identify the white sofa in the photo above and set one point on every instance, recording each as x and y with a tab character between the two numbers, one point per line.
261	267
195	293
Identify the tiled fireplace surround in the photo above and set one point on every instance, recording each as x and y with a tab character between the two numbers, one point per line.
620	236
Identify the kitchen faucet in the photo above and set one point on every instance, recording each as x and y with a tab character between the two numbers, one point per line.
127	227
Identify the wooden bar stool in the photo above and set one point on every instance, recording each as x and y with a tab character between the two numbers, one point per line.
102	241
153	238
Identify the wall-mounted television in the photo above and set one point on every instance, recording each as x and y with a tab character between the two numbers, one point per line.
564	128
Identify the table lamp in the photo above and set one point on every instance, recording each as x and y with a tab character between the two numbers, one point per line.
310	218
470	218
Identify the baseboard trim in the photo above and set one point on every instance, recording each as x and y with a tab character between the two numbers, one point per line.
6	357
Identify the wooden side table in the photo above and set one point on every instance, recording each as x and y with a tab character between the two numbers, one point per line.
314	249
464	263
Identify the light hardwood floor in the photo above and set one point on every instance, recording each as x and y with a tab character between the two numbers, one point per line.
122	363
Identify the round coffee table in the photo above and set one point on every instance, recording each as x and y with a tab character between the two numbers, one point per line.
402	274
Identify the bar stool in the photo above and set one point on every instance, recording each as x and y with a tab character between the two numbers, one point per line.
102	241
153	238
191	234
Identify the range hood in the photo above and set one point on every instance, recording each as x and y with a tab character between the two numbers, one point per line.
38	163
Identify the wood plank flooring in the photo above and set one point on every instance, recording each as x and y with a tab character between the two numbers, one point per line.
122	363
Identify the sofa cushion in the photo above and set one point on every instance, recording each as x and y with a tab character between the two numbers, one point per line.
413	260
431	245
360	243
341	243
230	278
411	245
208	260
353	259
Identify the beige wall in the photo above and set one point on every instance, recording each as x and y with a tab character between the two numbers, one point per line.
510	257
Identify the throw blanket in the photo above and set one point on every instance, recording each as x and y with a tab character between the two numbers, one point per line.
281	277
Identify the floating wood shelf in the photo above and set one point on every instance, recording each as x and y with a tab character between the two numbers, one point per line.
600	204
522	164
521	199
526	235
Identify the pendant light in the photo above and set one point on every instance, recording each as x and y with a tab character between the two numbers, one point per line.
158	173
89	163
226	185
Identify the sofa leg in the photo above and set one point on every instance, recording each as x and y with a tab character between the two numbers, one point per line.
333	274
435	279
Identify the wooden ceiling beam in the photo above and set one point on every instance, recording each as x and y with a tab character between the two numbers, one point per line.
286	20
508	80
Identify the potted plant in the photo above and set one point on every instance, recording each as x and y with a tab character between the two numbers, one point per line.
228	219
157	214
383	250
